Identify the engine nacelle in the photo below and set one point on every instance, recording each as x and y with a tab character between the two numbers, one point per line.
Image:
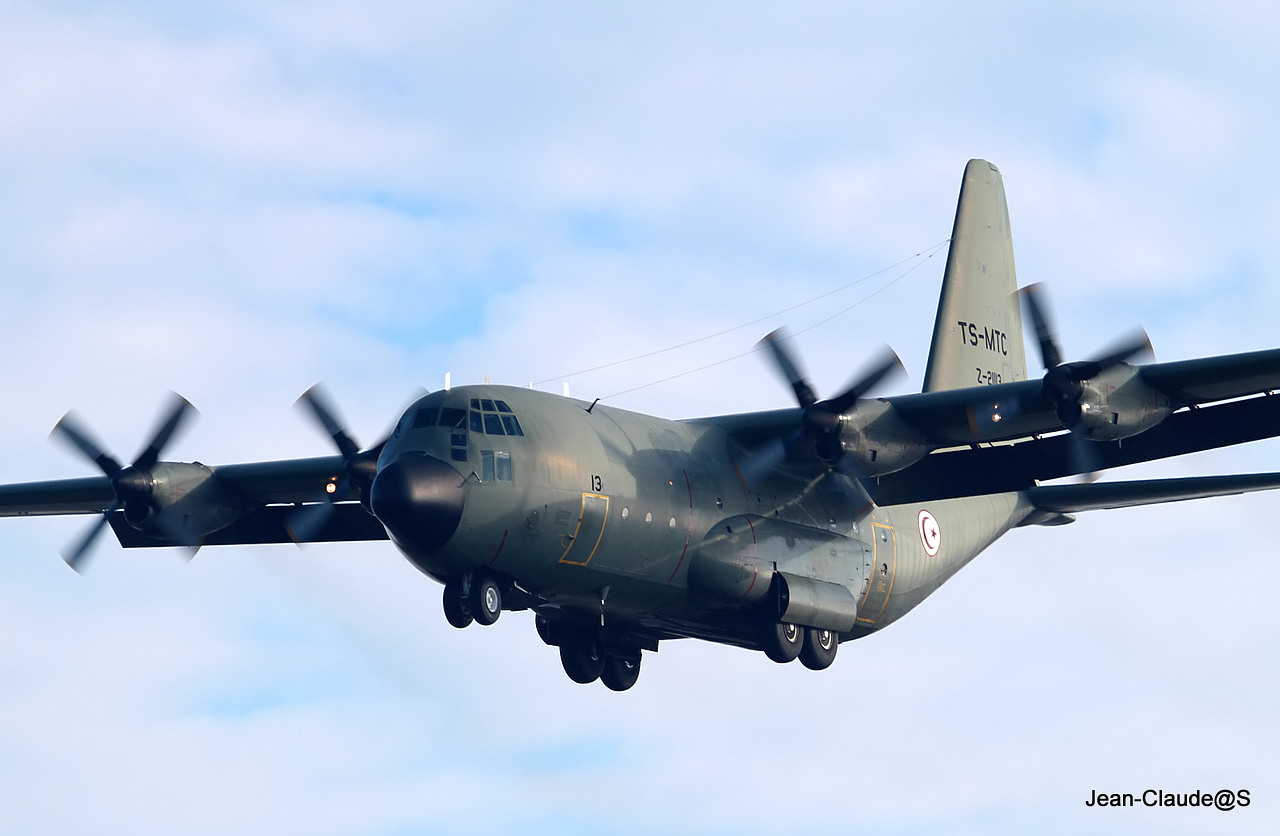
877	441
1116	404
188	492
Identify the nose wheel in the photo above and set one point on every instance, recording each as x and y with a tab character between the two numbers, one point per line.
472	597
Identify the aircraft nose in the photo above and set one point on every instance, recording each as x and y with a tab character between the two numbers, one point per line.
419	500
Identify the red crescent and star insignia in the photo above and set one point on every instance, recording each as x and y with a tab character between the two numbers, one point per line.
930	534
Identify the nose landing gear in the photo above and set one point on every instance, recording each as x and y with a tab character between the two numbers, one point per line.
474	596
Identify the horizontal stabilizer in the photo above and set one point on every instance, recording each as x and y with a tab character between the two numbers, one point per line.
1066	499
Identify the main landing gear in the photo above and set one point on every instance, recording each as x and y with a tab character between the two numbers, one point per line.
587	655
815	647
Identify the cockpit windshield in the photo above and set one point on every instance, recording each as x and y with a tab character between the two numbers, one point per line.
486	416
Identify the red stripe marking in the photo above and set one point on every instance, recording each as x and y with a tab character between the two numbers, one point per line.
500	547
688	532
755	564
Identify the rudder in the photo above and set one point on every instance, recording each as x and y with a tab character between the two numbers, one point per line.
977	337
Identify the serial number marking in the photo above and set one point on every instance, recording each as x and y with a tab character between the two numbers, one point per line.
597	484
986	377
992	339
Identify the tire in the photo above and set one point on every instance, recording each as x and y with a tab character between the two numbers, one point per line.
484	600
580	654
455	609
621	670
820	648
547	631
782	642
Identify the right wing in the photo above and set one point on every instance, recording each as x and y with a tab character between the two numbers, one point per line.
243	503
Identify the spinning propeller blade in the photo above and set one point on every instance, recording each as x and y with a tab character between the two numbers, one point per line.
821	421
1063	382
134	485
360	468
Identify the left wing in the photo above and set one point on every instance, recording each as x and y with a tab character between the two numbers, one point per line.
1009	411
1019	466
1067	499
1008	436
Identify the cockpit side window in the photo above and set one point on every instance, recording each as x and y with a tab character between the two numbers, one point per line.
495	466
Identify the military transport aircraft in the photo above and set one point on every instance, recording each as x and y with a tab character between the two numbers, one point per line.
786	531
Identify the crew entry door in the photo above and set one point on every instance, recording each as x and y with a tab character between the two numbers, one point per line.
581	544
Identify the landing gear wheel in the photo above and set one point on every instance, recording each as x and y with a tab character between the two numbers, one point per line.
484	600
455	608
580	654
782	642
820	648
621	671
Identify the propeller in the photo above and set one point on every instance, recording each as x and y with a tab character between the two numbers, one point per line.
822	420
1064	382
133	485
359	467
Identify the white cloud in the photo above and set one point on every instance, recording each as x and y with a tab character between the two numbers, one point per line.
234	203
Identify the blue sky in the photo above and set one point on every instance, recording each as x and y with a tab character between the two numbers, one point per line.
234	202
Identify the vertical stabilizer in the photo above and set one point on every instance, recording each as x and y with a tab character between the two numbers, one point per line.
977	337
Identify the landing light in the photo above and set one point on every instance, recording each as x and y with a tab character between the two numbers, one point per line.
332	487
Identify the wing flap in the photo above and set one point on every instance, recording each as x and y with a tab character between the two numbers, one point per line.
271	524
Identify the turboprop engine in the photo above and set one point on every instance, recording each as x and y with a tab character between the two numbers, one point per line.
179	500
1116	404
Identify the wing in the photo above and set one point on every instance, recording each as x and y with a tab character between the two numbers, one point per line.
231	504
905	440
1210	379
1009	411
1054	500
1018	466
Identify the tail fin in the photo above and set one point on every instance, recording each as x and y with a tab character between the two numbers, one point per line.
977	337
